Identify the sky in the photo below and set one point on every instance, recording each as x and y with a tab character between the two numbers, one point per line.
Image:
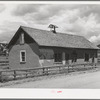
77	19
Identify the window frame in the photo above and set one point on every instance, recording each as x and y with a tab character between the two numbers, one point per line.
21	61
22	41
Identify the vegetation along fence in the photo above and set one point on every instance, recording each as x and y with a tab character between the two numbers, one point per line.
8	75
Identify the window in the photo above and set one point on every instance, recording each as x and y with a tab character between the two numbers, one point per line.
58	57
22	39
46	54
22	56
66	57
74	56
86	57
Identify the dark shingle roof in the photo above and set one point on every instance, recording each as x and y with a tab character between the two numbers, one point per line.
48	38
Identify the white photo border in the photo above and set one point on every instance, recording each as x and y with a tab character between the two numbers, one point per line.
26	93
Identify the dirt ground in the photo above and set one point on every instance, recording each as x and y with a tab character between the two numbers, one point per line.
81	80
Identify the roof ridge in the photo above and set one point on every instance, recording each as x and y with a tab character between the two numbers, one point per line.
33	28
50	31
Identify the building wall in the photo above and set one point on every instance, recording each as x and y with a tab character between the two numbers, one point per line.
32	59
49	52
44	56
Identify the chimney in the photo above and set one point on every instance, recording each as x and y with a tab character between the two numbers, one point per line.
52	28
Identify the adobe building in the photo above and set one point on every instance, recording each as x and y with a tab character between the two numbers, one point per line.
32	47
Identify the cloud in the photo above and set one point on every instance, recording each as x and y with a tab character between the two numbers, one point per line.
79	19
87	26
23	9
65	21
2	8
95	39
41	13
8	29
88	9
6	36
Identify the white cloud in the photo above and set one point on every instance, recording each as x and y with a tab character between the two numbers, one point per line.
95	39
75	19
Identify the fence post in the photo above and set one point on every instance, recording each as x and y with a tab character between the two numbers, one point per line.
26	74
72	68
1	80
47	71
14	74
59	69
68	68
43	71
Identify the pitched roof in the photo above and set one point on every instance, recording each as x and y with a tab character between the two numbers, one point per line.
48	38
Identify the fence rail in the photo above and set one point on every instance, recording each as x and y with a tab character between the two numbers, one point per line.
25	73
4	63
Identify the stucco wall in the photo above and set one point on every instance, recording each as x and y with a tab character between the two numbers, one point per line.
32	59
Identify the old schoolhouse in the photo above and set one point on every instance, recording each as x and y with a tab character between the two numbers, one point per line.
32	47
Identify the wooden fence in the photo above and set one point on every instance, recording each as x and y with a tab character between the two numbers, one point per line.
4	63
25	73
